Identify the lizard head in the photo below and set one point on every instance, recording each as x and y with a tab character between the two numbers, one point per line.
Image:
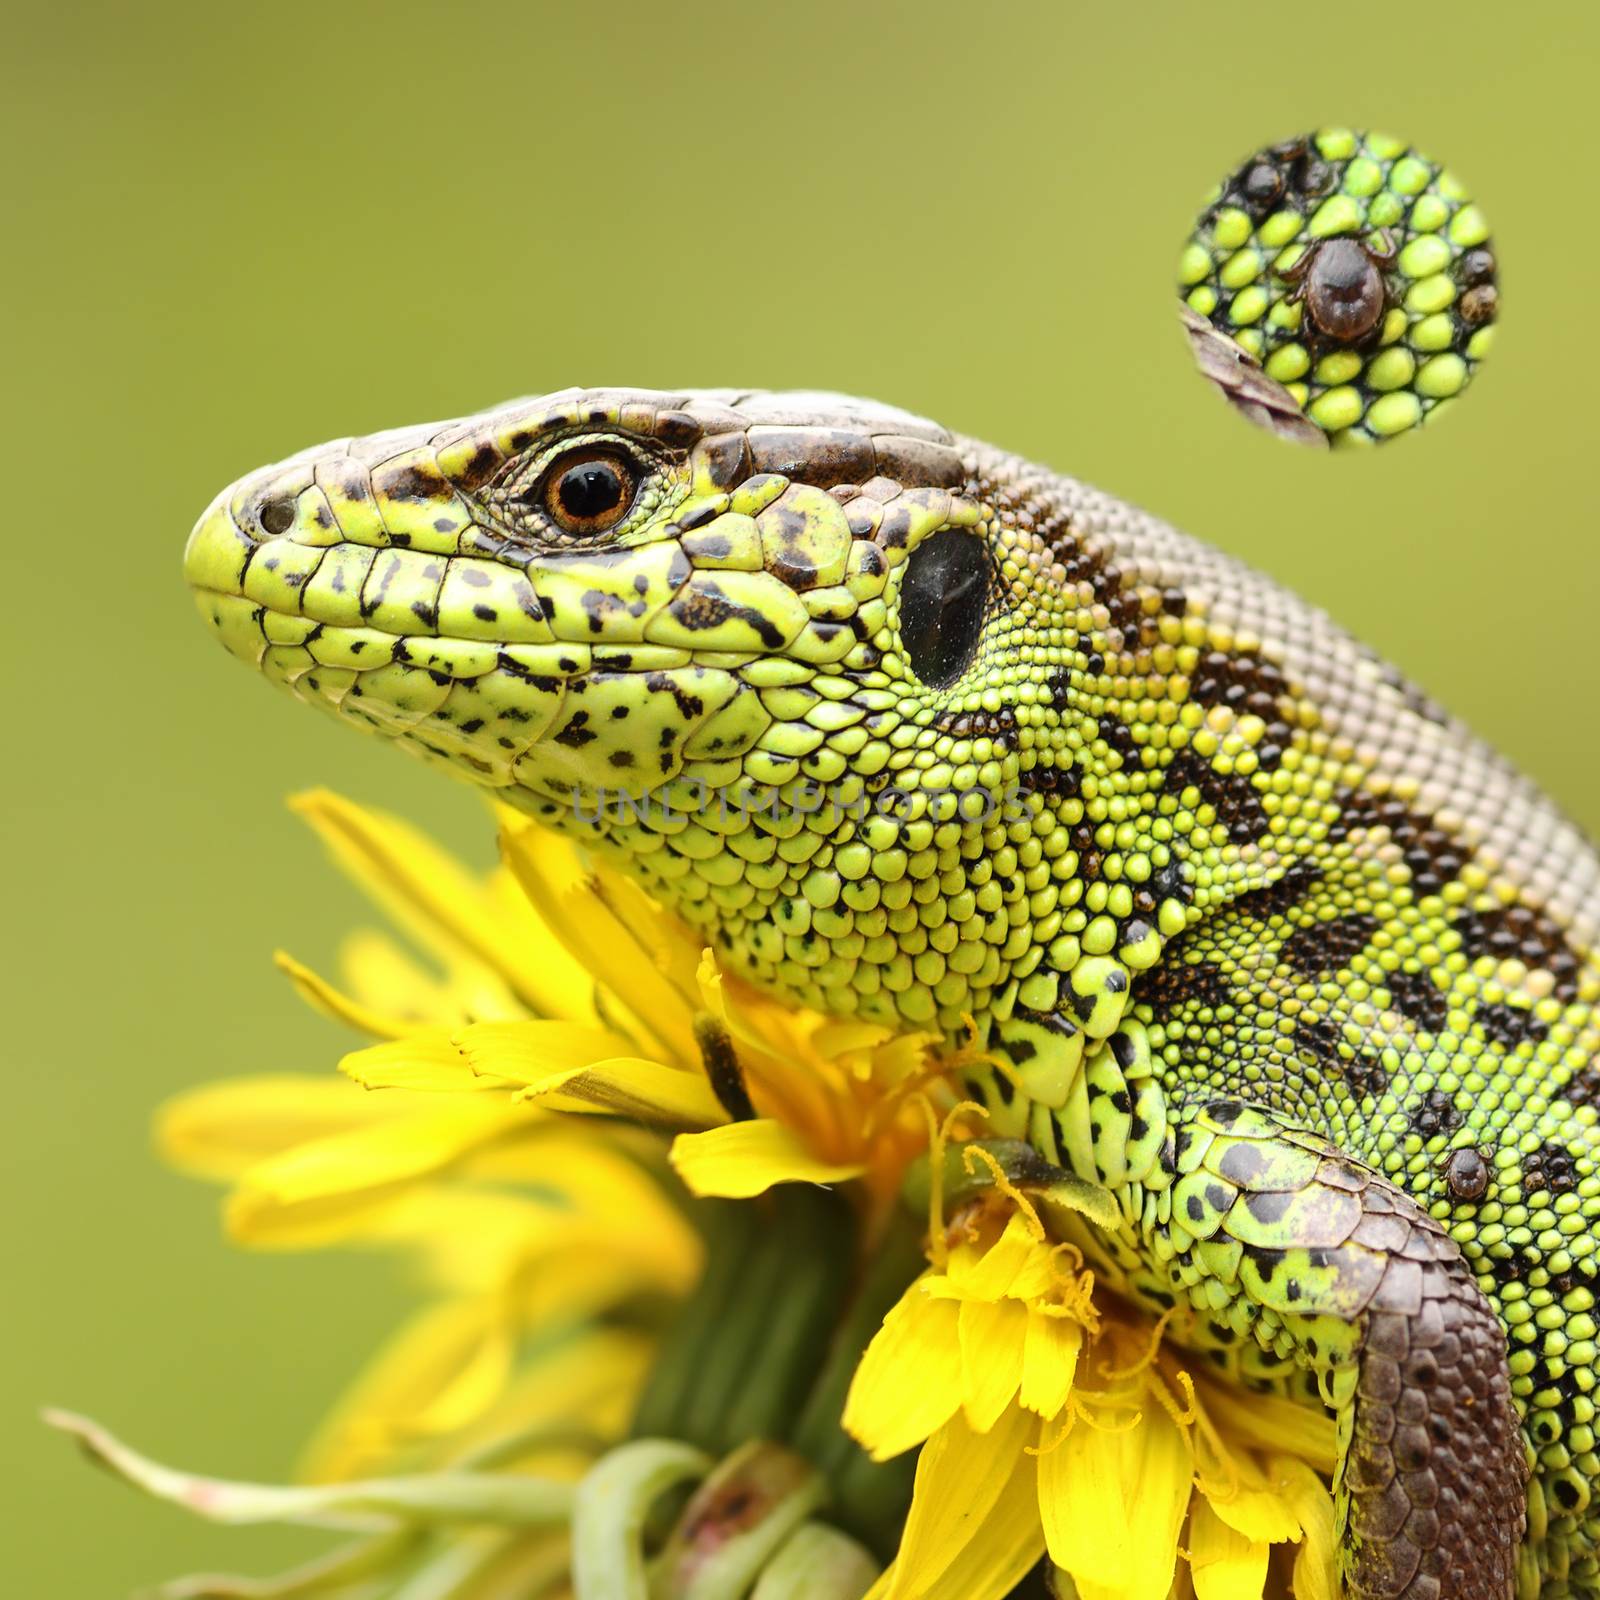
806	661
608	593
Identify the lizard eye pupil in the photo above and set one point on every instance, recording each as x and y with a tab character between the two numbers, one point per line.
589	492
943	598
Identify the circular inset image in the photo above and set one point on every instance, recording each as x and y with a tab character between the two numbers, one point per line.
1339	288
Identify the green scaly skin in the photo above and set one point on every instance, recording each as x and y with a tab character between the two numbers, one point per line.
1438	307
1270	946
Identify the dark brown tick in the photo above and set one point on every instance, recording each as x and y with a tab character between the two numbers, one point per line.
1341	283
1466	1174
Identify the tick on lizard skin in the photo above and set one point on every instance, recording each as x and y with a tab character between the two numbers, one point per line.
1356	276
1265	943
1342	286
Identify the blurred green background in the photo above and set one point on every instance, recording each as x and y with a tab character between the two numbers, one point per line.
234	231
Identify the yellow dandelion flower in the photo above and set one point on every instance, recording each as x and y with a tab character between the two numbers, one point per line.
542	1428
1053	1420
569	986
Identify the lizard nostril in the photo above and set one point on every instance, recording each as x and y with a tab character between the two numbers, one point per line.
276	516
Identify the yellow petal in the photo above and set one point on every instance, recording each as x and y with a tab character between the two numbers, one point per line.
745	1158
223	1129
590	1380
676	949
529	1052
1049	1362
432	896
1252	1502
311	1192
994	1273
440	1372
601	944
426	1060
1316	1564
387	979
973	1528
908	1381
624	1086
323	997
1224	1565
992	1336
1268	1423
1263	1513
592	1273
1113	1502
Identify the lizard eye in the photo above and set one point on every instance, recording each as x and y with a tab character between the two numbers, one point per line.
943	597
588	490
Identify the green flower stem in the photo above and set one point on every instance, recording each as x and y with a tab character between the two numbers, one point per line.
613	1504
735	1523
374	1505
728	1359
738	1363
730	1230
869	1497
814	1249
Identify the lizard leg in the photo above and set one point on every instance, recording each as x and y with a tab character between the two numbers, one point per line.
1276	1235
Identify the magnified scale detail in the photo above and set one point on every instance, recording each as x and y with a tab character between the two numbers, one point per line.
1340	280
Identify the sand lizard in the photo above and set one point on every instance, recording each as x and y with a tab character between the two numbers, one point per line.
1267	943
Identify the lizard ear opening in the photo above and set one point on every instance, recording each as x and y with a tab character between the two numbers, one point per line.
944	596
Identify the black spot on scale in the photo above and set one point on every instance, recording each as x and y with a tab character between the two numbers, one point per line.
1119	739
443	525
1243	1164
1321	1038
1418	999
621	758
485	613
1526	934
1466	1175
1168	883
1268	1205
598	605
1509	1025
1328	946
1265	1261
1551	1168
1232	796
1245	683
690	706
575	735
1583	1089
1432	856
1177	982
411	484
698	516
1434	1114
480	466
1196	1208
1055	781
